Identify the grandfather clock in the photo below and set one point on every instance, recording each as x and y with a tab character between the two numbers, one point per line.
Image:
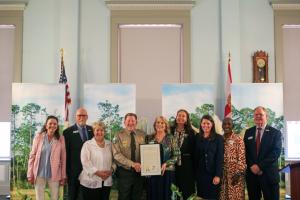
260	67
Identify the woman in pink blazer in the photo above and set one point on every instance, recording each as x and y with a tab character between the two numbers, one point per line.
47	160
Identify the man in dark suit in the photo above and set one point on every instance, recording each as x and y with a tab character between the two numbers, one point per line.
263	148
75	136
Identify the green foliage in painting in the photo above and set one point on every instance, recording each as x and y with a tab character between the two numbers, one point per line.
109	114
26	122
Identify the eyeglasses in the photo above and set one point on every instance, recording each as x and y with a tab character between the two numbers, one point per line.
81	115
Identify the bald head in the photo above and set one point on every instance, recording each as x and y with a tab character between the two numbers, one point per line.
81	116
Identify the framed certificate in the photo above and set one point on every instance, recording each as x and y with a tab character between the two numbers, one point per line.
150	159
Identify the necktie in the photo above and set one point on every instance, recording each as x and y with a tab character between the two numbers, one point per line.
84	135
258	140
132	146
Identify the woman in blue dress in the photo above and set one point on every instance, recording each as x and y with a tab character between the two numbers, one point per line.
209	158
159	186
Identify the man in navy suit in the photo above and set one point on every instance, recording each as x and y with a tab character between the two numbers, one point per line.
263	148
75	136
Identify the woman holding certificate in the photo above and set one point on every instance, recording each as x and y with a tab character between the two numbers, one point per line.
159	187
209	157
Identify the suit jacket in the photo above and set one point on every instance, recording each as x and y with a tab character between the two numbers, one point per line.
269	152
73	148
57	158
212	156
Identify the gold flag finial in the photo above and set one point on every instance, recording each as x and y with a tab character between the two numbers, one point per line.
62	54
229	54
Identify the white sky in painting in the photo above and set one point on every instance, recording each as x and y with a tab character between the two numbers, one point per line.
186	96
49	96
251	95
117	94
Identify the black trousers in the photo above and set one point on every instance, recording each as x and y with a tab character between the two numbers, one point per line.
95	193
73	189
259	185
130	184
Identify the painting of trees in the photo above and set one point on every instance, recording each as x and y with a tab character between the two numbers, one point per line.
109	114
109	103
22	135
31	104
204	109
243	119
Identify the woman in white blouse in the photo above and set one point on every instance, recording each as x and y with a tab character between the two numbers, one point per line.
97	162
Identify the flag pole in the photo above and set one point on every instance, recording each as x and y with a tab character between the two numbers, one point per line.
62	55
63	79
228	106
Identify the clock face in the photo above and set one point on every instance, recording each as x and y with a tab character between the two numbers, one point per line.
260	62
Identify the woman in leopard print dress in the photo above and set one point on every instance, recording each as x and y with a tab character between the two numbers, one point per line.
233	183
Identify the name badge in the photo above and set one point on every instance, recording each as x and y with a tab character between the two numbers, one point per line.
125	143
230	142
250	138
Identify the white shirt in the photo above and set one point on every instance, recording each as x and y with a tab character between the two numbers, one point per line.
94	158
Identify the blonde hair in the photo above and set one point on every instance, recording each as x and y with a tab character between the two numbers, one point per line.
98	124
167	130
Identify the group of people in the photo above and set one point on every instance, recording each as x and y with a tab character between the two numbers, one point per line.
208	164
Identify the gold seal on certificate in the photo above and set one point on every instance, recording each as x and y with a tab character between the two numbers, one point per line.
150	159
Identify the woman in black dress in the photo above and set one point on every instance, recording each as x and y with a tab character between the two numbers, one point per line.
185	138
209	158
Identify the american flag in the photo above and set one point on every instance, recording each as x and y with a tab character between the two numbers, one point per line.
227	111
63	80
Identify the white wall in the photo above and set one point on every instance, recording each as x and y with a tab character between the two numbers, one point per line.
83	29
257	33
94	43
7	42
48	26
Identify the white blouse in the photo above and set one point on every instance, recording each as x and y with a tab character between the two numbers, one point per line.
94	158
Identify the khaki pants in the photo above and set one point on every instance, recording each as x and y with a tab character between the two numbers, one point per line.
40	185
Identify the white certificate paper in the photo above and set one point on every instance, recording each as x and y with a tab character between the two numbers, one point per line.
150	159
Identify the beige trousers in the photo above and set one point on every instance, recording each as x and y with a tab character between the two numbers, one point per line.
40	185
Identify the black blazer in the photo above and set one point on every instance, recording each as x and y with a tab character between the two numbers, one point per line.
212	156
269	152
73	148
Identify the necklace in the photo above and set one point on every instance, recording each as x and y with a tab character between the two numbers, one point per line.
179	129
102	144
159	137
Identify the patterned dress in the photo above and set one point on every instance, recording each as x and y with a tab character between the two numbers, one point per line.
234	164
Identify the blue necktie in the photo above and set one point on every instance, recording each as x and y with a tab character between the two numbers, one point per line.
84	134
